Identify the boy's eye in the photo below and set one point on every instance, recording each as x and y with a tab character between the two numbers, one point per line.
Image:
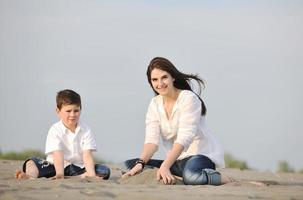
75	111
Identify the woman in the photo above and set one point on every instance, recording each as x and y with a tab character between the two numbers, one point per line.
177	115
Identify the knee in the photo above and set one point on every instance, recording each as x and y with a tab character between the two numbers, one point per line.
102	171
213	177
130	163
31	169
202	177
195	178
30	164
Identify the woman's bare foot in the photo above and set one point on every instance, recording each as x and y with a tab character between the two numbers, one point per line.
257	183
20	175
226	179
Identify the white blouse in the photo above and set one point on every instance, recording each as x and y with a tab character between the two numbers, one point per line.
186	126
72	144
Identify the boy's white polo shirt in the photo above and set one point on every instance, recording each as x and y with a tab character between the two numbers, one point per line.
71	144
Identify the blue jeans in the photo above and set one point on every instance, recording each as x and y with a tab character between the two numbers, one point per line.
195	170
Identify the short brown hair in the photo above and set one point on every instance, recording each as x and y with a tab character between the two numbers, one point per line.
68	97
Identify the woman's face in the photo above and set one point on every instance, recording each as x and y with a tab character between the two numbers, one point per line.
162	82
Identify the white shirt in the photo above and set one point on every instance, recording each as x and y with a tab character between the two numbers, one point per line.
186	126
72	144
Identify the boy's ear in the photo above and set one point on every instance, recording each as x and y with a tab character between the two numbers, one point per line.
57	110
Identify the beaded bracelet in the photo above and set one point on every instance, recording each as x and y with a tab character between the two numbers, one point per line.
140	161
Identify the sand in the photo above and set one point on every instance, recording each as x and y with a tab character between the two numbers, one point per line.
249	185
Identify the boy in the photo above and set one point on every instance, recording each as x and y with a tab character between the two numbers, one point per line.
69	146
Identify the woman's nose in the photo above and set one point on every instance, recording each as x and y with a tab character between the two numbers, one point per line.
161	82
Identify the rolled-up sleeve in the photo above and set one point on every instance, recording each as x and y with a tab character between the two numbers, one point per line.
53	142
189	121
152	125
89	141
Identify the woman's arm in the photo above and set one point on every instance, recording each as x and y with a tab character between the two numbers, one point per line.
189	121
188	126
58	163
164	171
152	137
89	163
148	151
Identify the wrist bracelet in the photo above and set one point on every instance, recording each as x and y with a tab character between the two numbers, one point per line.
140	161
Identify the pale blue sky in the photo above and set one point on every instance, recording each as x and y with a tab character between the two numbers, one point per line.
248	52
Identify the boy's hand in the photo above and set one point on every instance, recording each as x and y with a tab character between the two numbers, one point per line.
87	176
59	164
58	176
89	163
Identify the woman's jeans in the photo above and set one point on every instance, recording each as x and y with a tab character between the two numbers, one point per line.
195	170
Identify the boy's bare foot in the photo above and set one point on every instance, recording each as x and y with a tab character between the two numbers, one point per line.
20	175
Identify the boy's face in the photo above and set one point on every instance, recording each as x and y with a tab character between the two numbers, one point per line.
69	114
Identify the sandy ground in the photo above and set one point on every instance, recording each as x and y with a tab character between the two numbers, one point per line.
248	185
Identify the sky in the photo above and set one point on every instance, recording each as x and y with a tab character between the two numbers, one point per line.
249	53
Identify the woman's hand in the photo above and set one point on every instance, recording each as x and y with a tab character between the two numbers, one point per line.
135	170
164	171
166	176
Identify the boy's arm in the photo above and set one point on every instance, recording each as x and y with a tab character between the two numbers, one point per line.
89	163
58	163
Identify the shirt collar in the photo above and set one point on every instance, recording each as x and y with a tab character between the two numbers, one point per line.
66	130
176	106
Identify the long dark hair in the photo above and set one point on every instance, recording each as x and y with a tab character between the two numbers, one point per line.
182	81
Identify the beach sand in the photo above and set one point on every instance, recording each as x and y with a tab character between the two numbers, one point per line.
249	185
